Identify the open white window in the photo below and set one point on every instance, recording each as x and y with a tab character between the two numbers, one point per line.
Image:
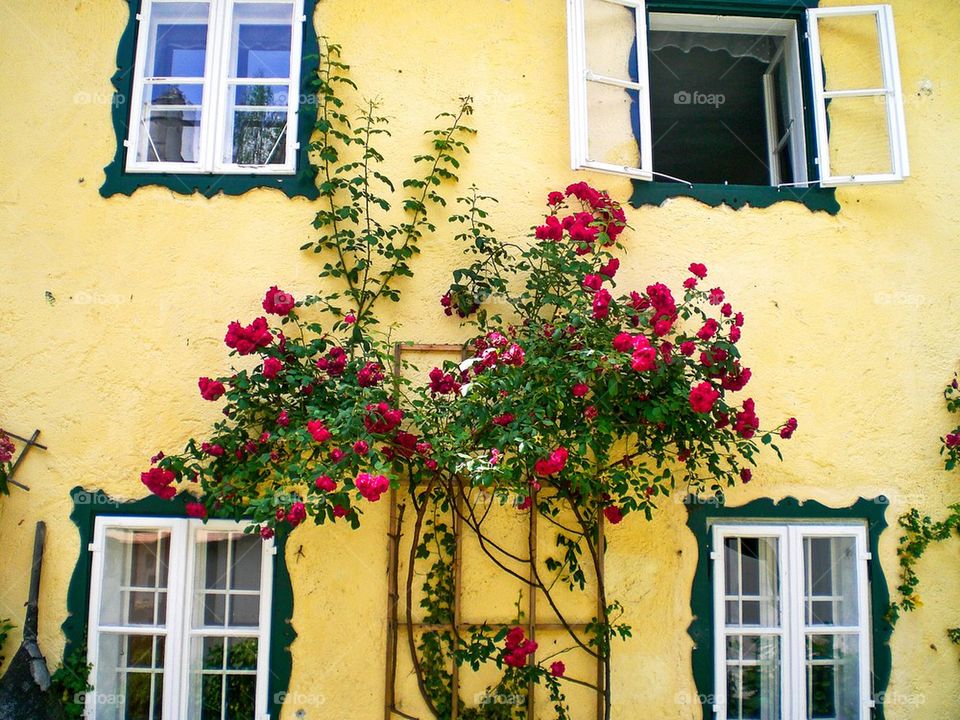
861	137
216	87
791	622
179	622
720	99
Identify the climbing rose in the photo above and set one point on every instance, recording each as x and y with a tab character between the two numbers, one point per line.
557	669
158	481
555	198
196	510
381	418
7	448
726	310
592	282
601	304
553	464
214	450
610	269
442	383
503	420
613	514
296	514
246	340
734	334
624	342
698	269
746	475
552	230
644	359
589	413
702	397
690	283
688	348
746	422
513	355
210	389
517	648
271	367
318	431
334	363
952	439
360	447
716	296
266	532
278	302
372	486
708	330
349	319
283	419
326	483
370	374
580	389
788	429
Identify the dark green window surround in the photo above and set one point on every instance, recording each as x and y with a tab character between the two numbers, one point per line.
87	506
737	196
119	181
700	516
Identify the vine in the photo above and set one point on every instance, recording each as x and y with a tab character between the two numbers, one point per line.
575	404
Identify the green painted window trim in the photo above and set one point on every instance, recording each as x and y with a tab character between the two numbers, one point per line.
88	505
816	199
700	516
301	184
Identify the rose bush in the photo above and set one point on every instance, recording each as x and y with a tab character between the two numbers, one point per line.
577	399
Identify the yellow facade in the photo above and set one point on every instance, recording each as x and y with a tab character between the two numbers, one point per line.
111	308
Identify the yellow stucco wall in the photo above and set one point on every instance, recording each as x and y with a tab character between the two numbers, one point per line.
110	309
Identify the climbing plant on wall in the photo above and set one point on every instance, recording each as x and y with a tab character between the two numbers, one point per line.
579	401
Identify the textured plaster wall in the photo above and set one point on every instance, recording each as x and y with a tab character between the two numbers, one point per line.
110	309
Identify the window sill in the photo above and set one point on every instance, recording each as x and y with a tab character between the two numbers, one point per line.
735	196
120	182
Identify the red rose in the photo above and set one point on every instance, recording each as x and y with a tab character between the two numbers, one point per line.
371	486
624	342
952	439
592	282
296	514
339	511
555	198
716	296
503	420
246	340
210	389
325	483
734	334
557	669
552	230
283	419
613	514
702	397
580	389
726	310
196	510
271	367
442	383
746	421
601	304
318	430
791	427
214	450
688	348
266	532
350	319
360	447
746	475
159	482
644	359
553	464
698	269
610	269
278	302
708	330
690	283
589	413
370	374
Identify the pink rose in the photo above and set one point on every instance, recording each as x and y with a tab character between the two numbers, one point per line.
318	431
271	367
688	348
555	198
159	482
746	421
644	359
708	330
246	340
210	389
610	269
371	486
592	282
214	450
278	302
702	397
601	304
325	483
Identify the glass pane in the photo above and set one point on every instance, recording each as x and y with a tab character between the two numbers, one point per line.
177	44
610	31
247	551
129	674
261	96
214	549
179	95
850	48
214	609
830	580
612	115
859	136
133	559
261	40
751	582
244	610
242	654
212	656
833	676
241	696
212	697
259	138
169	136
753	677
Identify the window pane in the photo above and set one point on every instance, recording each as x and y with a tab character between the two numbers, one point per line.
241	696
612	115
851	36
169	135
225	681
261	40
753	677
134	577
129	677
610	32
247	553
259	138
177	43
752	585
242	654
859	136
833	676
244	610
830	581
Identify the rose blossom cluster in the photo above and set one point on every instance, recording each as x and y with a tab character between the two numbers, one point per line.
517	648
7	448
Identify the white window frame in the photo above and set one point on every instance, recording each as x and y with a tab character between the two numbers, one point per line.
217	82
580	75
891	92
181	594
793	628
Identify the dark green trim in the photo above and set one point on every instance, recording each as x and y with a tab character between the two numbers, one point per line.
87	506
735	196
701	514
302	184
783	8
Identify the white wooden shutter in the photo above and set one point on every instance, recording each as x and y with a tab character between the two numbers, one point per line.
601	121
865	141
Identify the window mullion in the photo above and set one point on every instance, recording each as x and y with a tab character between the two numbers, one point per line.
176	587
215	97
794	638
863	617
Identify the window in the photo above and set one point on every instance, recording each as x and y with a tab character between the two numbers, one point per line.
216	87
727	99
179	620
791	622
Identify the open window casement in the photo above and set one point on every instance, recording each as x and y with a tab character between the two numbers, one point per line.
609	87
858	106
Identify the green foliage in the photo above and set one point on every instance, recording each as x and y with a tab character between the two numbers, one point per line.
70	681
5	627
